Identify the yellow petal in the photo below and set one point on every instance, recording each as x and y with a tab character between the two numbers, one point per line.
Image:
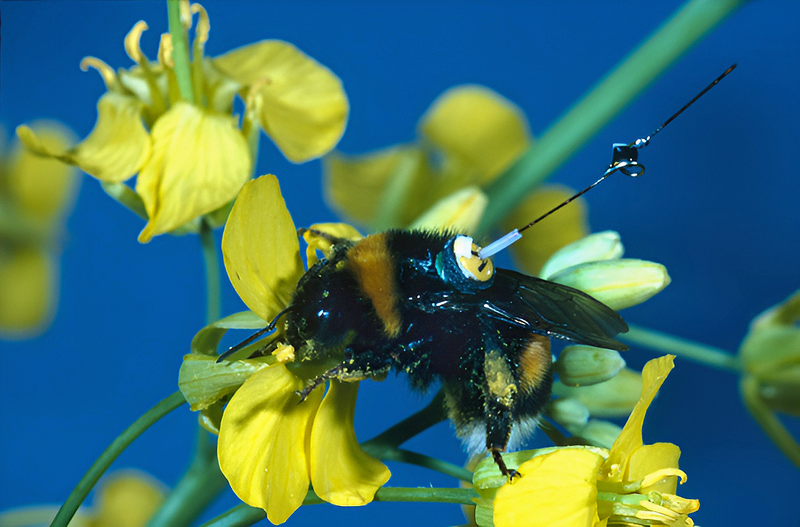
651	458
653	376
128	499
260	248
116	149
200	161
566	226
300	103
476	125
556	490
460	211
43	188
341	472
361	187
28	284
263	441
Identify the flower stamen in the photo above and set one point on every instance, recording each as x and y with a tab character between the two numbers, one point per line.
132	42
654	477
106	72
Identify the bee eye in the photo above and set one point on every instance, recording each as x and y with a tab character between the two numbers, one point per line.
469	262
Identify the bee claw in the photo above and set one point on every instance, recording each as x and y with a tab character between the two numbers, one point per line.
510	473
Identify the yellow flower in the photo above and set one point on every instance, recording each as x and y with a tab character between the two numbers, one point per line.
36	195
270	447
629	484
191	157
467	138
126	498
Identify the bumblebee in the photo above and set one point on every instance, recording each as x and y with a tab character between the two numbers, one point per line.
425	303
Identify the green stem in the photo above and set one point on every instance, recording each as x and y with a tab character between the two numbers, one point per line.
244	515
211	261
386	442
426	494
602	103
708	355
180	51
196	489
203	481
239	516
768	421
125	196
67	511
415	458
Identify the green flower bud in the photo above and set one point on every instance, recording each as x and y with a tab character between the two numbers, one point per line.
770	356
596	247
587	365
616	283
598	432
780	392
615	397
568	413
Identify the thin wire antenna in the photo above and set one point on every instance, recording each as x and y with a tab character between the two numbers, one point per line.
646	140
624	158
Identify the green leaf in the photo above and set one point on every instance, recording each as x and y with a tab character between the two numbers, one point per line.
206	341
203	381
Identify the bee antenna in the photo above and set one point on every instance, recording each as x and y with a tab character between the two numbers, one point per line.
624	158
254	336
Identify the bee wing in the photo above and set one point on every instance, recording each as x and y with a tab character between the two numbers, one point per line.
552	309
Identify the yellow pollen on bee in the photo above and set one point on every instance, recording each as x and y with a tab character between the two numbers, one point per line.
499	378
284	353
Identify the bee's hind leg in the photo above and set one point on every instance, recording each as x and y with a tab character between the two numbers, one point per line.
500	392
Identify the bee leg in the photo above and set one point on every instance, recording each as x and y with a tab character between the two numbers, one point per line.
345	372
498	458
333	372
500	391
334	240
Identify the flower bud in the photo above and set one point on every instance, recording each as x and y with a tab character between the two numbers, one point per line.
569	413
770	354
598	432
596	247
587	365
615	397
616	283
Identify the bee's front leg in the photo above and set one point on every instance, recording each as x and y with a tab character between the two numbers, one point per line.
356	367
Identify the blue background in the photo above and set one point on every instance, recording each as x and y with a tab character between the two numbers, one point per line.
718	207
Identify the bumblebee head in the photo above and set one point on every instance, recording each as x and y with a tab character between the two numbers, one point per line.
459	264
